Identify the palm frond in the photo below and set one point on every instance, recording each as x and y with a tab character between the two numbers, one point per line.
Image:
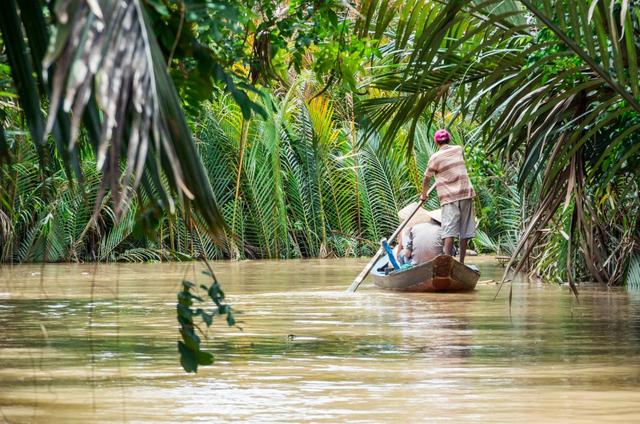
546	91
633	272
104	69
23	73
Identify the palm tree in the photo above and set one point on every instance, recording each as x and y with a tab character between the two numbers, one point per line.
105	70
105	82
304	189
551	84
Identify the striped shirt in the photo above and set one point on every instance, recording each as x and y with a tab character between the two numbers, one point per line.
452	180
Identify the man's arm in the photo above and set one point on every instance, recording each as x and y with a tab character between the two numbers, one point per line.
430	172
425	187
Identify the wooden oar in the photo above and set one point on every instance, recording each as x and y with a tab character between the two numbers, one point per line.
367	269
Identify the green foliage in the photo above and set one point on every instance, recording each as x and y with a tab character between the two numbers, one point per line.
304	188
240	42
542	94
191	355
105	70
633	272
554	94
110	78
51	220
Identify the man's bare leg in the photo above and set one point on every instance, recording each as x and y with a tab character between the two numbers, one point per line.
448	246
463	249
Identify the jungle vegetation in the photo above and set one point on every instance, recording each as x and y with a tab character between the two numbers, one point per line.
152	130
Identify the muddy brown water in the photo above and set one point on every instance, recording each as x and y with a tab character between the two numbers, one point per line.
97	343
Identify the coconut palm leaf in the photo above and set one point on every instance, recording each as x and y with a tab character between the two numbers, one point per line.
22	71
121	229
5	153
633	272
105	70
112	46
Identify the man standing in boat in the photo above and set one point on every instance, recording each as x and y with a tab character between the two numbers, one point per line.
454	191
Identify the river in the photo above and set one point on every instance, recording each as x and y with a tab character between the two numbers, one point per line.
97	343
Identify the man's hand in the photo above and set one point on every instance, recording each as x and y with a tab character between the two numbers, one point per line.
423	196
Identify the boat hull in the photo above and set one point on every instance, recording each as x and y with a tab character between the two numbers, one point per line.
442	274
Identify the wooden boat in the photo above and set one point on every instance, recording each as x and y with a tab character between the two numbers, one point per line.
442	274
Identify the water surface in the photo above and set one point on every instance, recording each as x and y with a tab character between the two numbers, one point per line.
97	343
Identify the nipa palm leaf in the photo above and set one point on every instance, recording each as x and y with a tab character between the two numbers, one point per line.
109	51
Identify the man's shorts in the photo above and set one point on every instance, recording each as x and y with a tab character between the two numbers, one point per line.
458	219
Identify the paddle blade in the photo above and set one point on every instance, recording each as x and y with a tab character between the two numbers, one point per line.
365	271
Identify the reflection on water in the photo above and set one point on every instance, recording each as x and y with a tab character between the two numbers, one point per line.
98	343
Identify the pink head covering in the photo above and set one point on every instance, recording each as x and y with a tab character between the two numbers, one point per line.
441	136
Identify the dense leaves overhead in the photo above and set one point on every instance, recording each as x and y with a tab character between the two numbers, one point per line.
244	44
108	53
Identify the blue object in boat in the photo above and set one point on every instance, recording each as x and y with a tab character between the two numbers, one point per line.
392	258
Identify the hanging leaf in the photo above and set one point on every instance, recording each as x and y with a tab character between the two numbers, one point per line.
108	51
